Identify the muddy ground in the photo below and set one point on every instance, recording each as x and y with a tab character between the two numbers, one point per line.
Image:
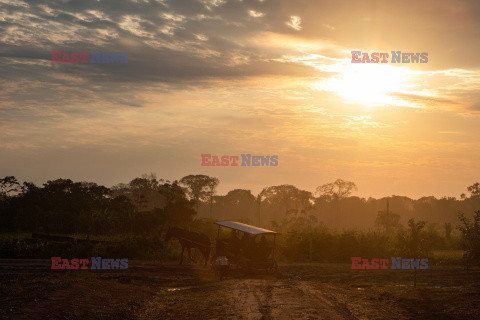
155	290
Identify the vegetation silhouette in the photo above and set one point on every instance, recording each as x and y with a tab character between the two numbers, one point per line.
330	226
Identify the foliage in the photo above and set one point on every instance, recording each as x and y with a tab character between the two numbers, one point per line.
151	248
199	187
67	207
8	186
143	208
388	221
471	237
336	190
474	190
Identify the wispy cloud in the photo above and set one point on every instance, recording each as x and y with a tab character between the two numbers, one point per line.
295	23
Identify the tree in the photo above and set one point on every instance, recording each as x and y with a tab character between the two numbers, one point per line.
8	186
211	186
179	210
70	206
301	223
123	213
471	237
474	190
143	192
288	197
258	203
448	231
199	187
414	243
337	190
387	220
240	203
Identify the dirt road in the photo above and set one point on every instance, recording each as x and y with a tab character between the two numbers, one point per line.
153	290
284	299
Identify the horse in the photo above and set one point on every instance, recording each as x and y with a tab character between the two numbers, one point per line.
189	240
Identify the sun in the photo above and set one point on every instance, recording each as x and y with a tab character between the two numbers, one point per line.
367	84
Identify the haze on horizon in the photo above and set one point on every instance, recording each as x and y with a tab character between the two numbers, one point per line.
228	77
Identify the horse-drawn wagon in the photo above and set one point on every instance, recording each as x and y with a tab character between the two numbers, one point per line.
251	251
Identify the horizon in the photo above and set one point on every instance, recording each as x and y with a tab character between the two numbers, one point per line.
222	190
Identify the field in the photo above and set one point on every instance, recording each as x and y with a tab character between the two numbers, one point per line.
155	290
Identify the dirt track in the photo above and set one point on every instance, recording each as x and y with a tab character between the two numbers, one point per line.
279	299
152	290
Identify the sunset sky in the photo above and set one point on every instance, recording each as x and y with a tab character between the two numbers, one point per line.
228	77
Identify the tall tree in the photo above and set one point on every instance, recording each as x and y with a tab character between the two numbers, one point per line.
288	197
179	210
8	186
387	220
199	187
337	190
240	203
143	192
212	185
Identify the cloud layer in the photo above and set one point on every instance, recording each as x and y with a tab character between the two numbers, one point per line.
232	76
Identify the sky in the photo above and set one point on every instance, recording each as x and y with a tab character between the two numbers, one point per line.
232	77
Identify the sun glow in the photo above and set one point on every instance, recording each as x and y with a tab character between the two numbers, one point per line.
368	84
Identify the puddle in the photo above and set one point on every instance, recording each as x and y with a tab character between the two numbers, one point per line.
179	289
427	286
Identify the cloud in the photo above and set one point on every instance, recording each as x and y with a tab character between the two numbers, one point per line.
426	100
174	42
232	76
183	40
255	14
295	23
328	26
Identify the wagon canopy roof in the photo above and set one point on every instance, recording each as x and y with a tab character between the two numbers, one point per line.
244	227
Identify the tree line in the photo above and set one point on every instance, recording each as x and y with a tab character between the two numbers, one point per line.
64	206
146	205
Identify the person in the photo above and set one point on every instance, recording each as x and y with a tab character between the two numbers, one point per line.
221	266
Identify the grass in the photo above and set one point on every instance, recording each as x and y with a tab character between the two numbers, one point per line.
448	254
23	246
4	236
447	257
